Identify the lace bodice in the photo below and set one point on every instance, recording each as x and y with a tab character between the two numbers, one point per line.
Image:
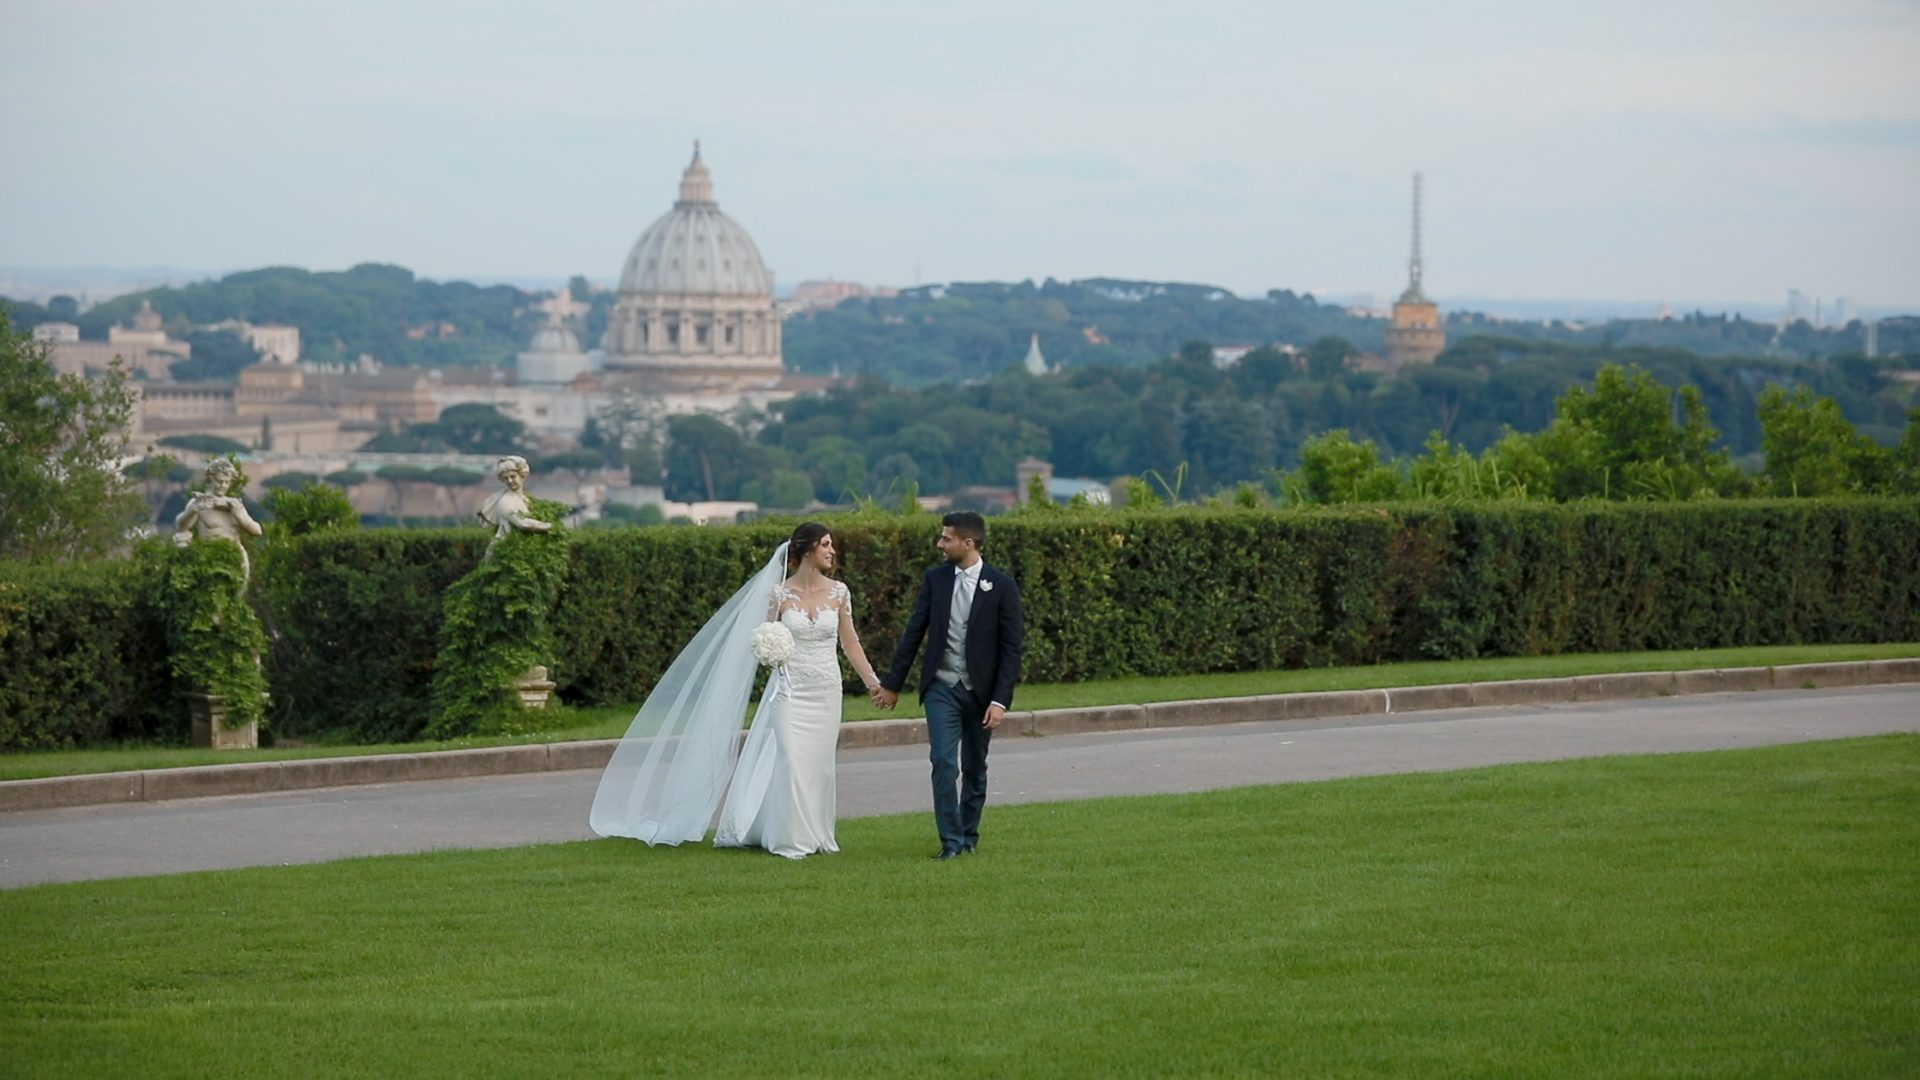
816	635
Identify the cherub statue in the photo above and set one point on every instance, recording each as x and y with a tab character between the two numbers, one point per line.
508	508
215	515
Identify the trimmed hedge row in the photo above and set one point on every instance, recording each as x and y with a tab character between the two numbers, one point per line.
83	657
1108	594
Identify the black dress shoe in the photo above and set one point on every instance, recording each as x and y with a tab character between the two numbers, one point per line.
967	849
948	853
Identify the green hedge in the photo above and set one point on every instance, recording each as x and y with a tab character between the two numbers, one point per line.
355	627
1113	593
83	657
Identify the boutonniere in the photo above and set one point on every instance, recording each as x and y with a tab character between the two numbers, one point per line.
986	586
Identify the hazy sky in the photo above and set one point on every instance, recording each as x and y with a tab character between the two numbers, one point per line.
1694	151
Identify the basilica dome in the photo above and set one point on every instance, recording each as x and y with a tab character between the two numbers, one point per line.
696	302
694	248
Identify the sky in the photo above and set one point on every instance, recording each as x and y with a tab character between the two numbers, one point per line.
1695	151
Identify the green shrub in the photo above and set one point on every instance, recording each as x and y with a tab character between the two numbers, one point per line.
215	644
495	624
84	653
1116	593
357	615
310	509
1112	593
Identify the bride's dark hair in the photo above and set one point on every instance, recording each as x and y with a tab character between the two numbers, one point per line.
805	539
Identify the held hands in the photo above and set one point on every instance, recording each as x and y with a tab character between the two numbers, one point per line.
883	697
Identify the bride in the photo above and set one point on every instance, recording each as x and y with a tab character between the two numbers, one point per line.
683	754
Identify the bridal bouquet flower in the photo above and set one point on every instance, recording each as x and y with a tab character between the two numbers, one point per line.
772	644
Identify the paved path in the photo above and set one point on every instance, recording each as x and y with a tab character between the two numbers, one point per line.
132	839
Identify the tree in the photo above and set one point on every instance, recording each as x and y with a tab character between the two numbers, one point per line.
1228	440
159	476
1621	440
1811	448
400	476
217	354
206	444
61	496
1263	369
471	428
707	459
304	511
453	476
837	467
1335	469
478	429
787	489
572	461
892	473
291	481
1327	357
1906	457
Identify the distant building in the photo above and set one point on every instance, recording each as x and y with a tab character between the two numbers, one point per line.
822	295
57	333
1024	473
554	356
1225	356
1415	336
696	303
277	344
1036	363
303	411
144	348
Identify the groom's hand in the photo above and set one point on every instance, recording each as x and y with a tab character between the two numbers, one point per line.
885	698
995	714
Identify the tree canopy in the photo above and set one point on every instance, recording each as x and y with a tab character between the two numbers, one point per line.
61	440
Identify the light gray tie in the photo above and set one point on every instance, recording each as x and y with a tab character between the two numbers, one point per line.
962	600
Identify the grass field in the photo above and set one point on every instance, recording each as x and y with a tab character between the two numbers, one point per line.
610	722
1751	913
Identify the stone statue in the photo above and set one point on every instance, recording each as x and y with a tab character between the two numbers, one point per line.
215	515
508	509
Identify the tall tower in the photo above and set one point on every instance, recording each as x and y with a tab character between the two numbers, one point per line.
1415	336
1414	270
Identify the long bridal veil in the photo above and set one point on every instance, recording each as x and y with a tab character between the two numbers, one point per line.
670	771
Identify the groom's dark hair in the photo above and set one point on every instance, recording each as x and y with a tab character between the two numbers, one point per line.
967	525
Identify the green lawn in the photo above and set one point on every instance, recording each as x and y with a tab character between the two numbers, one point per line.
610	722
1751	913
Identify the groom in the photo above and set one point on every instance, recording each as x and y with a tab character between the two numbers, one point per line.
969	615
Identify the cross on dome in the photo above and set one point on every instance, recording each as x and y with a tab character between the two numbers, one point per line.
561	306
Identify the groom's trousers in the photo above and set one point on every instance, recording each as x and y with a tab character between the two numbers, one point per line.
958	742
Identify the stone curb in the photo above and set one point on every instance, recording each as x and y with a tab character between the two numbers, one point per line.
251	778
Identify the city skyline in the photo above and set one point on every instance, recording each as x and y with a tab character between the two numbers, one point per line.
1708	154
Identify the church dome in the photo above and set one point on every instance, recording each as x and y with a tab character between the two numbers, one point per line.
554	339
694	248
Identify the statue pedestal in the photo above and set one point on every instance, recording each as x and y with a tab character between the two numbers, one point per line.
210	730
534	687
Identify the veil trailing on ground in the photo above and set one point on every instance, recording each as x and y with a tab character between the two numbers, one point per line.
669	773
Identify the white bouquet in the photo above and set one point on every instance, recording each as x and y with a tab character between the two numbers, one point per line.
772	644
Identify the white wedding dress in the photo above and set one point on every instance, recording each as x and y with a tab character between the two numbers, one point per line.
682	764
783	794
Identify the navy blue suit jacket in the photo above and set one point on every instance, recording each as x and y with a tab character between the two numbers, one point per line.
994	635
